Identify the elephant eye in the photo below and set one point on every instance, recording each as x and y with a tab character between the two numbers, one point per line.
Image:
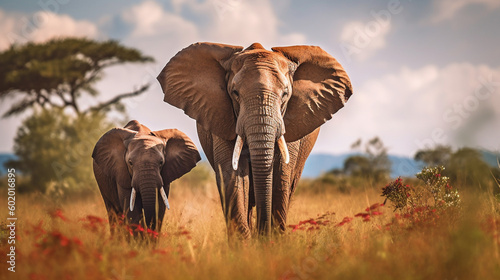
285	93
161	161
236	93
130	162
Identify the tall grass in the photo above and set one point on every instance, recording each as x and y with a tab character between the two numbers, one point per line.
71	240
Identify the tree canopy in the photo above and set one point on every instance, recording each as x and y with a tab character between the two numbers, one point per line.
56	73
54	148
373	163
440	155
465	166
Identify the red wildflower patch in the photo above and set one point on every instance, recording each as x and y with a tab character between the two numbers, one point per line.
77	241
132	254
94	223
183	232
160	251
374	206
63	240
38	230
138	228
294	227
98	256
152	233
363	215
314	224
345	221
58	214
371	211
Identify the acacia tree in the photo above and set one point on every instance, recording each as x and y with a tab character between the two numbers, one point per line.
54	144
373	163
57	73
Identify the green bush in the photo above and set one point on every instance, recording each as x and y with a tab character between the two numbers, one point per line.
54	151
436	192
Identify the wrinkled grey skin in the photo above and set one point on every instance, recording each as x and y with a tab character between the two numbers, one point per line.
263	98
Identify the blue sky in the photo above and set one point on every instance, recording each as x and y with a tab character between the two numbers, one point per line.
424	72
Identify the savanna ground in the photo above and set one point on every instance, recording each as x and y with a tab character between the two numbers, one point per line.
69	239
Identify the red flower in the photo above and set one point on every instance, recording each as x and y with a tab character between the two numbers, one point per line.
363	215
98	256
374	206
58	214
345	221
139	228
152	233
294	227
132	254
159	251
77	241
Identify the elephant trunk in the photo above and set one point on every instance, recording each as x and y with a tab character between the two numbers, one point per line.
261	148
150	193
262	129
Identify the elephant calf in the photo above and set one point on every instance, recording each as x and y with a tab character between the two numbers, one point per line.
134	166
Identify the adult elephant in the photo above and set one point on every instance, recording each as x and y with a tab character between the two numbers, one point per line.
134	167
258	114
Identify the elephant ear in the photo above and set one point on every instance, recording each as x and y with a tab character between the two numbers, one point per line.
181	154
137	126
109	155
320	88
194	80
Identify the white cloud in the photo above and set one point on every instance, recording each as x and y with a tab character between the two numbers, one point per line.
226	21
162	33
245	22
447	9
453	105
361	40
41	26
150	19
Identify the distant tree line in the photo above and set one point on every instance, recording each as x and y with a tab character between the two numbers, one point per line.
370	165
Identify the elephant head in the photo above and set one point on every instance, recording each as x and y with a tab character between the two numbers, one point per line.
140	163
259	97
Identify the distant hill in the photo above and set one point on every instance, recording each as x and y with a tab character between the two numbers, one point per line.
318	164
490	157
3	159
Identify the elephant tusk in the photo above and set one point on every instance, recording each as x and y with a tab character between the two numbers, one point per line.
237	151
164	196
284	149
132	200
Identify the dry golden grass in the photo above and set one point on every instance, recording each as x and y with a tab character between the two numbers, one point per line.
193	244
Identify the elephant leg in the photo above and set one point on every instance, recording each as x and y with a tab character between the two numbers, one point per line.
113	216
305	148
162	208
233	187
251	204
282	178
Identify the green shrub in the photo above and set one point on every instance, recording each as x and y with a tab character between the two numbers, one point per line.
54	151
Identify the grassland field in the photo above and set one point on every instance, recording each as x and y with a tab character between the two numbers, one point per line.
326	239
